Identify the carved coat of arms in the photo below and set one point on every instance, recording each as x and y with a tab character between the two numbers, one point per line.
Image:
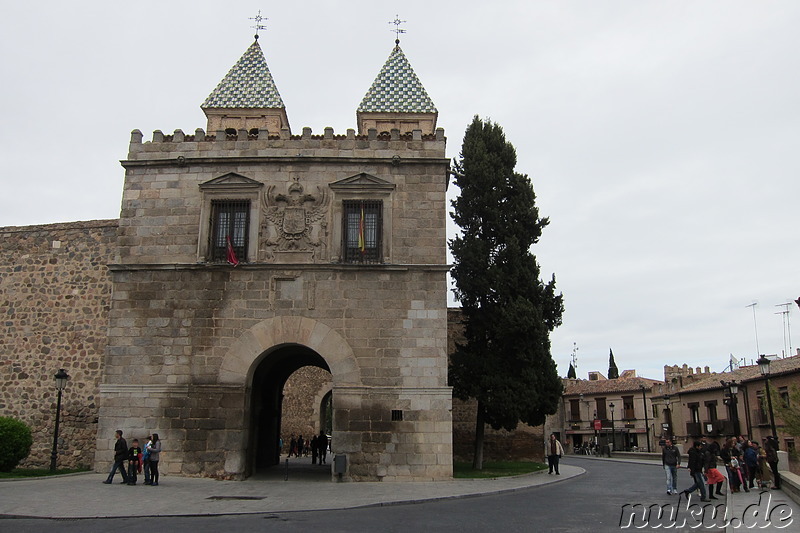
295	221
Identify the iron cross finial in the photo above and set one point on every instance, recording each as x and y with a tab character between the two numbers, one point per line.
258	26
397	30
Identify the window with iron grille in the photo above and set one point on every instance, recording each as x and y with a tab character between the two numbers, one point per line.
229	220
362	228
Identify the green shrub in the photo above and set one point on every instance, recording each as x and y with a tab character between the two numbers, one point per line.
15	443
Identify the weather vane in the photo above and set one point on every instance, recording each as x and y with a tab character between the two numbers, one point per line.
258	26
397	30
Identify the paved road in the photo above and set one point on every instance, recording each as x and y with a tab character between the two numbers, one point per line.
591	502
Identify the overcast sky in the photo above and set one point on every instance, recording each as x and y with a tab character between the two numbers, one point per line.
662	137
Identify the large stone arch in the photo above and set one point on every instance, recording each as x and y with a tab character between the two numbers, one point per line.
243	356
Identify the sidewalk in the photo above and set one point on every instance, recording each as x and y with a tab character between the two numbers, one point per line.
85	496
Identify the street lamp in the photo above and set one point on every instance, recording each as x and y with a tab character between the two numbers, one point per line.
61	378
733	388
763	366
613	435
646	422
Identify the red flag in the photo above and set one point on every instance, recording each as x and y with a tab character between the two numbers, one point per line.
362	245
231	253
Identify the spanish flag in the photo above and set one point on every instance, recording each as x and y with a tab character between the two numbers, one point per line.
231	256
361	241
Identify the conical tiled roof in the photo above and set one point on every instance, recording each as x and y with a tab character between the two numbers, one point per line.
397	89
248	84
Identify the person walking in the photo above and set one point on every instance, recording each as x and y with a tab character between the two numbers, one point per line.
751	462
671	460
555	451
695	466
771	447
155	456
120	454
713	476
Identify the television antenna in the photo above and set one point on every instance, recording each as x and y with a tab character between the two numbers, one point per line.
787	328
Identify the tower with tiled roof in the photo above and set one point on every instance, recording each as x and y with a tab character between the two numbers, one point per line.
397	100
247	97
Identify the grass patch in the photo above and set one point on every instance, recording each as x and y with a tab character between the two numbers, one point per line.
495	469
39	472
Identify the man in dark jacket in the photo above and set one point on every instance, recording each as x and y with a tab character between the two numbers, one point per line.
771	446
671	459
695	466
751	460
120	454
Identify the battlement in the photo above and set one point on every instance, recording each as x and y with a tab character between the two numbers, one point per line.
258	142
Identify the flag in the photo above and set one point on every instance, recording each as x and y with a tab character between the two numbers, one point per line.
361	241
231	256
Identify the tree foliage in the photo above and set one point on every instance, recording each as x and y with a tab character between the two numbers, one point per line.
15	443
505	361
613	371
788	411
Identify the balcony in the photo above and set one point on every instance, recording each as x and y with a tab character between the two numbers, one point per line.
694	429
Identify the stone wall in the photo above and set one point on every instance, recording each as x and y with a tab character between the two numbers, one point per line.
526	443
54	298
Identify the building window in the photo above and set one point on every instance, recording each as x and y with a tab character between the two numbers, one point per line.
362	231
601	408
230	222
397	415
783	394
711	409
694	413
760	412
575	410
627	408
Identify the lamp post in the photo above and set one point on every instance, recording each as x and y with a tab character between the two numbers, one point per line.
733	388
763	366
613	435
61	378
646	422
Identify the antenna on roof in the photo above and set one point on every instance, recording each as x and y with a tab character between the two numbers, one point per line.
258	26
755	325
397	30
786	327
575	356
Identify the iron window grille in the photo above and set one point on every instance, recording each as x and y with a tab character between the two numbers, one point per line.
229	219
363	227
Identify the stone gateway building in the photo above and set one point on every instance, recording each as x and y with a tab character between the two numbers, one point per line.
340	245
252	267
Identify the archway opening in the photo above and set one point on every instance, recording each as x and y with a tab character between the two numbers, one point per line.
284	400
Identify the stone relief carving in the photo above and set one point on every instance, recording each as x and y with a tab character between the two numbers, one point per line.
295	222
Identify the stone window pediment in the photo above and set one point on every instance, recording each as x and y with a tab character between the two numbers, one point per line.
231	182
363	182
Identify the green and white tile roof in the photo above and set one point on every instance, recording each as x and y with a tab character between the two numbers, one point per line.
248	84
397	89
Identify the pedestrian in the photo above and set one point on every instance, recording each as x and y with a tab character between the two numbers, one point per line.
713	476
751	463
730	458
155	456
134	461
120	454
322	443
671	460
764	474
292	446
555	451
314	449
771	447
695	466
146	460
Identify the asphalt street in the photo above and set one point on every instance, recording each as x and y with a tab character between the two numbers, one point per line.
594	499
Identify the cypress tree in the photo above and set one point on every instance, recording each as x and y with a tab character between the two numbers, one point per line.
571	372
505	361
613	371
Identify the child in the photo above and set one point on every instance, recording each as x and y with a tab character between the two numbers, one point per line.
146	460
134	461
737	481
